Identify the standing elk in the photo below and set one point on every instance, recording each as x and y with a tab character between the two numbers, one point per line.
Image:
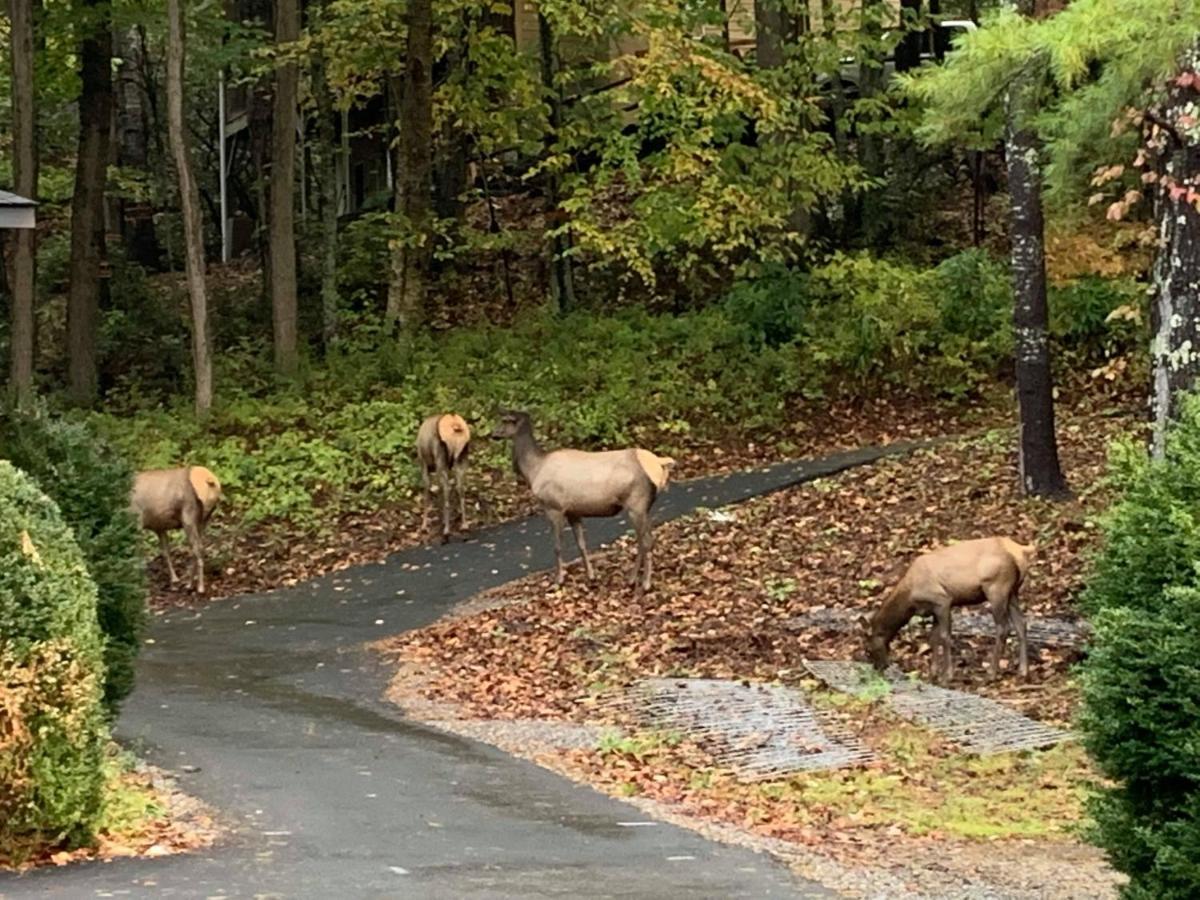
168	499
572	485
987	570
443	442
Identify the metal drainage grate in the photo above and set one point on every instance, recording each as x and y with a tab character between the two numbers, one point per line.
758	731
1043	632
975	723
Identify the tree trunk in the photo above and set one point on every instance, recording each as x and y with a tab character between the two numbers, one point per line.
87	204
768	33
282	224
25	178
189	204
562	276
327	197
411	257
870	219
454	149
133	146
1175	311
1041	475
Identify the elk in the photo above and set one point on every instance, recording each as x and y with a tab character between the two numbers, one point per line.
572	485
988	570
168	499
443	442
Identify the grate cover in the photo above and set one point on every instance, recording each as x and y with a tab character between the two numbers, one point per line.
1043	632
759	731
977	724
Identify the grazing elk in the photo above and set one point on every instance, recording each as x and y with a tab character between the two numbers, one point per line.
442	445
167	499
987	570
572	485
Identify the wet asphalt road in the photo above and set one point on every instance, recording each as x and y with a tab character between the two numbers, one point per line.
267	708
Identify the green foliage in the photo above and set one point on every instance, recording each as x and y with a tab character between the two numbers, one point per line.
90	483
1095	319
1096	59
339	440
51	674
864	321
1141	684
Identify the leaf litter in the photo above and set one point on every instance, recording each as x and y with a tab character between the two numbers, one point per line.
728	592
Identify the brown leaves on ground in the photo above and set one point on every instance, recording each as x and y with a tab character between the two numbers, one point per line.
729	586
275	555
145	815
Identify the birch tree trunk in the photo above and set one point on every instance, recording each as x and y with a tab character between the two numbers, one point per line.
87	204
282	224
1175	310
409	282
189	202
1041	474
25	183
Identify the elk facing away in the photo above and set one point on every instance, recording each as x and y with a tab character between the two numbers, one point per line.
988	570
442	446
572	485
167	499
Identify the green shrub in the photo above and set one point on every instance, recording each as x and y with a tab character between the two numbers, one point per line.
1141	681
1095	319
772	307
90	482
52	731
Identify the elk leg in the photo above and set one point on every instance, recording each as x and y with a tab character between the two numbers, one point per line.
462	502
581	543
556	522
165	543
1018	621
196	539
1002	617
444	480
645	542
942	627
428	483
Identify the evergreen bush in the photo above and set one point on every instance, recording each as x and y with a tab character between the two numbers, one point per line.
52	726
1141	680
90	482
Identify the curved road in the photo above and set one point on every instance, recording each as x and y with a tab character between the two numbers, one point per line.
268	708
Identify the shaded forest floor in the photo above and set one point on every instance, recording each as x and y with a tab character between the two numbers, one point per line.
730	589
247	560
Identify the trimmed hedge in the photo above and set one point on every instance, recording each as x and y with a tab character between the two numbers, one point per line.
90	482
52	724
1141	680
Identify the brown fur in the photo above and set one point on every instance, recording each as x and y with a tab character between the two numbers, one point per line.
170	499
572	485
455	434
987	570
658	468
443	442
